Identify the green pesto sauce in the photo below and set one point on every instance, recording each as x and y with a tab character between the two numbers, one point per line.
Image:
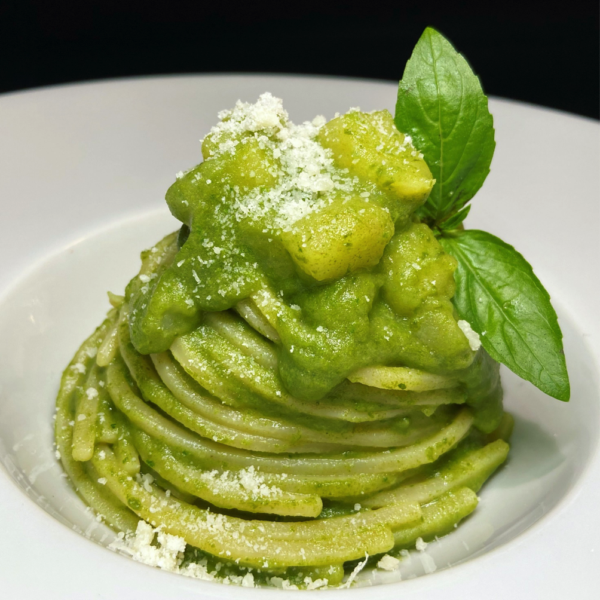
321	216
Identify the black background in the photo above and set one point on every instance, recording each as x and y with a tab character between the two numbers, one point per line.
541	52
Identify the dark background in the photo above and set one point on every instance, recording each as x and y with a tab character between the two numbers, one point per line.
540	52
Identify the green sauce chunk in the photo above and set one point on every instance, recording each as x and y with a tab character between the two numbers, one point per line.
315	223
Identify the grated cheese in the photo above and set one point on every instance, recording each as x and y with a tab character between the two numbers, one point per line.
91	393
166	554
388	563
421	545
471	335
304	169
359	567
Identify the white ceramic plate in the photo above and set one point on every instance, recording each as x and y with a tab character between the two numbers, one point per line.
83	173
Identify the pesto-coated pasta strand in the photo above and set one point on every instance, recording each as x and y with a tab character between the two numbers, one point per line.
86	414
226	536
245	491
383	461
469	470
439	518
92	492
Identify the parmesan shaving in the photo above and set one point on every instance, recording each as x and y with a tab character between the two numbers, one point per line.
471	335
359	567
156	548
388	563
421	545
304	169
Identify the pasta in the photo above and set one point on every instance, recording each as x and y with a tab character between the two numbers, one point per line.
285	385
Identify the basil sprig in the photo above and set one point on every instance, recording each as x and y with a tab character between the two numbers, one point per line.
442	107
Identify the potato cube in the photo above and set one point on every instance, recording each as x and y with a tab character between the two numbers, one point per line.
341	238
370	146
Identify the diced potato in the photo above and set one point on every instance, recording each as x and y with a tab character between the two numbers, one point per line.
343	237
370	146
416	268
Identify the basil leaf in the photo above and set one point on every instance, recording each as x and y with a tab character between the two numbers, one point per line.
442	107
498	293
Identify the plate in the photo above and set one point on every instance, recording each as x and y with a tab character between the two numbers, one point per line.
84	171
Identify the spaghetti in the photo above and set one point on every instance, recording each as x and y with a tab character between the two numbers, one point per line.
284	385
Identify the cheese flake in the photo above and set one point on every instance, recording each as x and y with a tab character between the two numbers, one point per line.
471	335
